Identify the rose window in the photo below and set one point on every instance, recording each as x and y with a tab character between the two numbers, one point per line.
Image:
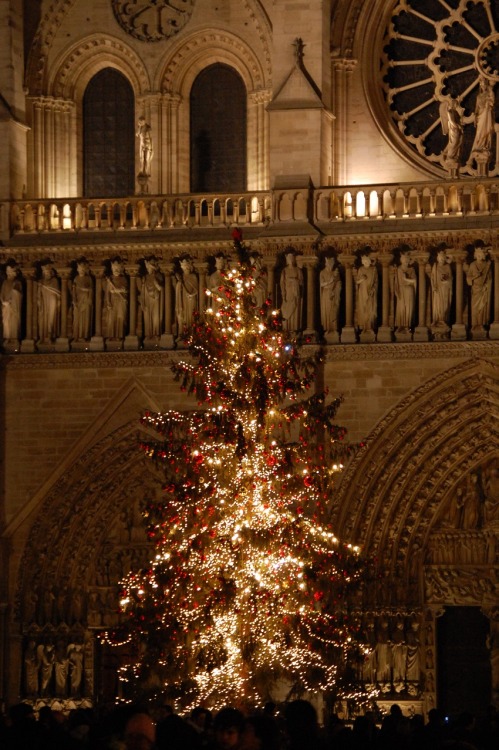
440	71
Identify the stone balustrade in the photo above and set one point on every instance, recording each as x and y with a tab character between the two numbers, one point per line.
321	206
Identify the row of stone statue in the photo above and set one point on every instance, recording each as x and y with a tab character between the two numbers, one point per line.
394	660
142	302
54	669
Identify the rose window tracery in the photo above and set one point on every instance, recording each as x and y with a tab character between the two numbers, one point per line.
440	73
152	20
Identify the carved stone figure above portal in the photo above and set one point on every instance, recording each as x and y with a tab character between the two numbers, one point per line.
153	20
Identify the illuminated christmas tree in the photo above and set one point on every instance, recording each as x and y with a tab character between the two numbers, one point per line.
249	589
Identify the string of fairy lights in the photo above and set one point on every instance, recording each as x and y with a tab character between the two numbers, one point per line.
248	585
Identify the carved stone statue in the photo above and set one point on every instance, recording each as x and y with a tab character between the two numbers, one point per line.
144	134
366	307
453	128
151	299
216	280
484	123
11	297
49	304
440	274
186	295
479	278
291	283
61	670
46	657
31	669
472	502
116	301
75	658
330	293
83	301
259	273
405	293
491	501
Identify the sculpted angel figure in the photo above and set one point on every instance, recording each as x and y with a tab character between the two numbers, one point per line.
453	128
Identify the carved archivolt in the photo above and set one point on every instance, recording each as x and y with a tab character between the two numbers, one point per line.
191	55
73	71
396	489
87	535
36	68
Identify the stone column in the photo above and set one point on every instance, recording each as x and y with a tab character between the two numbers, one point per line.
348	333
62	341
28	343
97	340
385	333
421	332
494	328
131	342
167	340
342	73
309	263
458	330
270	266
201	269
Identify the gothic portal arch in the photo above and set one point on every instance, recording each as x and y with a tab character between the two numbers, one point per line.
422	499
88	534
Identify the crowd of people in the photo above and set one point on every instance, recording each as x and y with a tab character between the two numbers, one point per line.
293	726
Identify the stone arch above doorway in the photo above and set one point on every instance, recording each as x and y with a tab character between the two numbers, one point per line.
395	489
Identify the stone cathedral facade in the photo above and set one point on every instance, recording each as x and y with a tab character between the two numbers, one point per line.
356	147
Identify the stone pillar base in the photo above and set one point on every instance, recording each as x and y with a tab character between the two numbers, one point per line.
96	344
385	334
348	335
421	333
62	345
28	346
131	343
167	341
458	332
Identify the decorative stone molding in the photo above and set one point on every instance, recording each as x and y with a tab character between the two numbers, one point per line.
152	21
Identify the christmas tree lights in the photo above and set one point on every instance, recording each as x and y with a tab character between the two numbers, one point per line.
249	587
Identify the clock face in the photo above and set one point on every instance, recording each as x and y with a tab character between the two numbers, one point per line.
152	20
442	56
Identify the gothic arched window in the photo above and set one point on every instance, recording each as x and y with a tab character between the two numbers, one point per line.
108	136
218	131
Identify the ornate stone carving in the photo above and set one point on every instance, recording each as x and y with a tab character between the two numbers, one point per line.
153	20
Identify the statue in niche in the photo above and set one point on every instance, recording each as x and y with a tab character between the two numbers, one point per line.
144	134
48	304
186	295
484	123
116	301
491	500
456	509
61	669
399	655
82	292
440	273
405	293
366	303
472	502
259	274
75	659
452	127
330	293
479	278
151	297
369	665
11	298
46	658
413	669
216	280
31	669
291	284
383	655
